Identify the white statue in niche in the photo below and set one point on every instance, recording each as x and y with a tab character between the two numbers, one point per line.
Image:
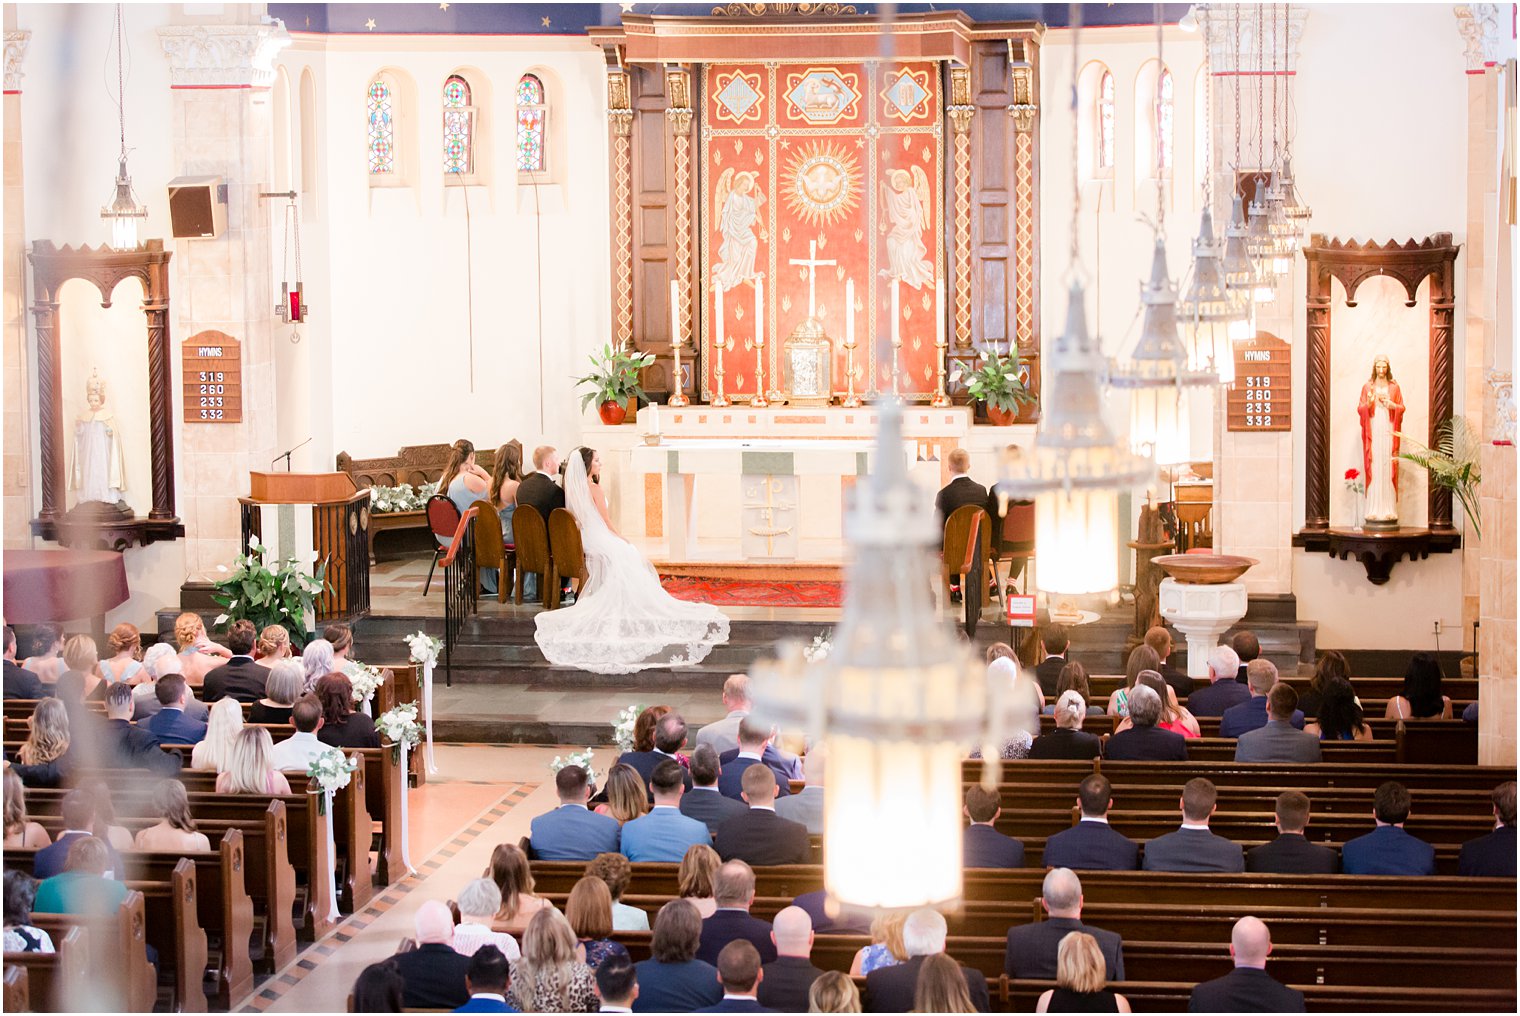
99	472
1381	409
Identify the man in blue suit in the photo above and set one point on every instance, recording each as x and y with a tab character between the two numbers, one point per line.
704	801
571	832
1093	844
740	973
78	810
664	834
1251	714
754	742
1493	856
486	979
983	846
734	892
1388	849
171	725
1213	699
669	738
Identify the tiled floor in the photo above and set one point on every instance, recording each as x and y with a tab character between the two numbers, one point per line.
482	795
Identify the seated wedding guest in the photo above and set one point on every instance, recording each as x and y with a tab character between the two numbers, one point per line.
1144	741
478	903
1193	847
82	657
125	644
734	889
1388	849
297	750
125	746
1092	843
281	689
160	661
789	976
1339	717
341	637
432	974
667	735
962	490
45	758
1080	982
886	948
615	870
1491	856
175	830
273	645
1142	657
78	811
723	735
486	978
106	826
342	726
894	988
834	992
1331	667
197	653
760	836
239	677
617	985
589	911
1213	699
20	832
214	749
1067	741
754	749
1247	988
249	768
20	935
1033	949
941	988
1421	698
379	988
627	796
571	832
1159	639
705	802
1292	853
505	479
694	880
806	806
982	846
1054	643
664	834
1174	717
1251	714
171	724
47	664
673	979
85	885
20	683
1073	677
317	660
463	481
1278	740
1247	648
739	971
548	977
510	871
1028	701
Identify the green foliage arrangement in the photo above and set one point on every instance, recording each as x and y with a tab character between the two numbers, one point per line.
614	377
1451	465
995	382
285	595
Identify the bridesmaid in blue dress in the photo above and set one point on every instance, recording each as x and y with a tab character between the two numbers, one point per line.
464	483
504	481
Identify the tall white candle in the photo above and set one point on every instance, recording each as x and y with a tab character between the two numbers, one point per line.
939	312
759	312
896	315
654	418
718	311
849	312
675	313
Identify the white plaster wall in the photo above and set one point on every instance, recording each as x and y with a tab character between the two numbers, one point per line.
390	319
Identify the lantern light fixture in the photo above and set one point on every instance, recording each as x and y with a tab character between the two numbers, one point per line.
124	210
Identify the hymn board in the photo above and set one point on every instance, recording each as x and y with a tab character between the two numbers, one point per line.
1262	396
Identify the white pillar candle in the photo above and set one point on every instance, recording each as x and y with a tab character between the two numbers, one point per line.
675	313
939	312
718	313
849	312
759	312
654	418
896	315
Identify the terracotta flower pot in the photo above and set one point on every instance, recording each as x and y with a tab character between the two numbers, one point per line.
1001	417
612	413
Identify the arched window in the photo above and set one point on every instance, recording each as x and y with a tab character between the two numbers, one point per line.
382	128
532	124
1165	120
1104	135
458	127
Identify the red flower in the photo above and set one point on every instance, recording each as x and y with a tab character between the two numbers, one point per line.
1352	474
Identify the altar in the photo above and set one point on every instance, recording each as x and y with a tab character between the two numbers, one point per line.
740	485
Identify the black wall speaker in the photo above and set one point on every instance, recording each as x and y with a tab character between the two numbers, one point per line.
197	206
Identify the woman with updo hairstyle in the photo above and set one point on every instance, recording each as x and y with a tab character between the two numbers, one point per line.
47	664
694	880
834	992
1068	741
20	832
197	652
82	658
175	830
273	645
125	643
509	870
281	689
643	727
341	638
463	482
626	797
342	727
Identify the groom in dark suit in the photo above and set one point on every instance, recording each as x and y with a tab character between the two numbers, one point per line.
540	490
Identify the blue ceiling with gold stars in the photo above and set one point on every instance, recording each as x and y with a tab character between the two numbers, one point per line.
574	19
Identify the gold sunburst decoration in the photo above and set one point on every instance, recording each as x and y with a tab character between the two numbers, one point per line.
822	182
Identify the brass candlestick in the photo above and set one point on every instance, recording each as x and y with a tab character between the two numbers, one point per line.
719	400
941	400
677	396
851	400
757	401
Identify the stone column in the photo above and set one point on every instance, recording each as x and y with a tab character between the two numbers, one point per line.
220	76
17	473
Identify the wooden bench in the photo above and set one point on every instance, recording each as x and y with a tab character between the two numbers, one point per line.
414	464
48	982
116	945
1307	778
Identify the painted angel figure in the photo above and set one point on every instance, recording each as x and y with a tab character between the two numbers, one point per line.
905	196
738	200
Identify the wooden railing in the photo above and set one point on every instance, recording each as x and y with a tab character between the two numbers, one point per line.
461	588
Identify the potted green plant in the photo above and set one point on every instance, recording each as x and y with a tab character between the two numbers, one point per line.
996	384
1451	465
614	379
284	595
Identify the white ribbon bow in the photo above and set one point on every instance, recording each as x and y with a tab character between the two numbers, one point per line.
332	858
406	790
427	702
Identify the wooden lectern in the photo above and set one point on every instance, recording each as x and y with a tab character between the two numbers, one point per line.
339	533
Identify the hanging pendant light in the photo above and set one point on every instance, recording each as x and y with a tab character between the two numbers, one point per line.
1242	272
1210	312
1294	208
124	211
1295	213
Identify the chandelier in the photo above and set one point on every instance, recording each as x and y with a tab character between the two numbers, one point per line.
124	210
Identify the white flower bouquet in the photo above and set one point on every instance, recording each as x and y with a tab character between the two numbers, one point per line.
331	771
401	498
818	650
400	724
622	727
424	647
365	679
575	758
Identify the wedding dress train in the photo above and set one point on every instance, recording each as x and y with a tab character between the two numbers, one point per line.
622	620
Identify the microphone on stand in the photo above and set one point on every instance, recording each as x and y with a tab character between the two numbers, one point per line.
288	454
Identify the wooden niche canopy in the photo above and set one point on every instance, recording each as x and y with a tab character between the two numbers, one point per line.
1353	263
93	524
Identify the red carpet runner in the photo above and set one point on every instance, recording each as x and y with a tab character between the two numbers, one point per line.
754	592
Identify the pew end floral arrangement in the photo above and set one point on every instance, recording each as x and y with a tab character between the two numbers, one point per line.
330	772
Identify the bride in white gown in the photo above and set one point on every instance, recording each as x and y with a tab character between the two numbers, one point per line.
622	620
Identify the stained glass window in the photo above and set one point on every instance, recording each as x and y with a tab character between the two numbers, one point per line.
1165	119
1105	132
382	129
532	117
458	127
